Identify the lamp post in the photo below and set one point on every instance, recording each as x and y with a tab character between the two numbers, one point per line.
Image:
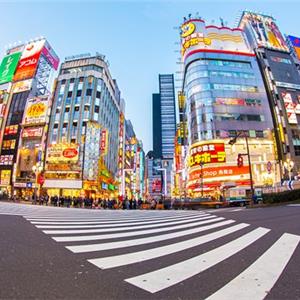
289	164
37	168
232	142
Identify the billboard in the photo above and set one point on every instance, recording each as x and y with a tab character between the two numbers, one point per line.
5	177
50	55
22	86
29	61
62	153
207	152
35	111
291	108
263	30
32	132
8	67
295	42
196	37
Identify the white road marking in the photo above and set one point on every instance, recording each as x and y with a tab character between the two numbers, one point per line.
135	257
125	228
142	241
163	278
121	224
295	205
258	279
131	233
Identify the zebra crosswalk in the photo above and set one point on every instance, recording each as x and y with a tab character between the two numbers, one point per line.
160	240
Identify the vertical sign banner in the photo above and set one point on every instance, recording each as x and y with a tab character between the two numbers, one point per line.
295	41
50	55
104	142
29	61
8	67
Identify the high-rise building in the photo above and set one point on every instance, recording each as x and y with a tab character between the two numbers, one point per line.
85	113
26	77
164	126
282	82
223	97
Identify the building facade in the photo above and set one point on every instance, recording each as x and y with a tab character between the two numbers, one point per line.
280	71
85	114
223	97
27	78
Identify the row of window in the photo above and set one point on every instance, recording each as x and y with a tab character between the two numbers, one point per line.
81	69
221	63
238	117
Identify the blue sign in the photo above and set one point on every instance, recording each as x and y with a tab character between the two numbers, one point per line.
29	184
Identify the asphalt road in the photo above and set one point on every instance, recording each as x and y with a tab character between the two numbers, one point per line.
234	253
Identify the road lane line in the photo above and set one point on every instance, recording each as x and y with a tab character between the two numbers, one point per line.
135	257
142	241
132	233
163	278
125	228
260	277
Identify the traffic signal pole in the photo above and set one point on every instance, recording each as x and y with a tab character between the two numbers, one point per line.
250	171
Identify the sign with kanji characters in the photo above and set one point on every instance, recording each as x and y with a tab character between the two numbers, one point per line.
206	153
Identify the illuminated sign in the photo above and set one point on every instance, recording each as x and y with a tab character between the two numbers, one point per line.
6	160
8	67
5	177
32	132
295	41
104	141
57	153
197	37
264	31
36	111
2	110
187	29
29	61
205	153
290	107
11	130
22	86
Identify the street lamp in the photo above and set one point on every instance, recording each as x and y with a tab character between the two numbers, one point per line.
289	164
232	142
37	168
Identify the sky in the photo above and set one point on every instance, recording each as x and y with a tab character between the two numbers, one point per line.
139	38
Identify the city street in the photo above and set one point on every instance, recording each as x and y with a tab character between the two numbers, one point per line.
231	253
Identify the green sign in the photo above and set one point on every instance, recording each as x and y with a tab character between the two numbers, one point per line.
8	67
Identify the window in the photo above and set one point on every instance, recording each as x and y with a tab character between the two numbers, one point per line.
89	92
79	92
67	109
72	80
98	94
96	109
81	79
69	94
65	125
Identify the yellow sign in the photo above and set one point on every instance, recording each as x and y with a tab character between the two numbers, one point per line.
187	29
62	153
36	111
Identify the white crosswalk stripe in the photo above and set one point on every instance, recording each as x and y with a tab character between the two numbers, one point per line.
134	238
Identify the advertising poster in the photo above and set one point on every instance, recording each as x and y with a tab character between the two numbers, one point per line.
29	61
32	132
290	107
50	55
104	141
295	41
62	153
22	86
196	37
8	67
205	153
5	177
264	30
36	111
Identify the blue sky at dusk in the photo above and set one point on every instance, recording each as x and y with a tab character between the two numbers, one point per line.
137	37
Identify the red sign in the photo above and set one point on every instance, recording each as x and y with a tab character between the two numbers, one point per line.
26	67
156	185
41	179
10	130
203	153
32	132
70	153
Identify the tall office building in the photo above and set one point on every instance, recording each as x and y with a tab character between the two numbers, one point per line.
164	125
26	79
86	112
282	82
223	96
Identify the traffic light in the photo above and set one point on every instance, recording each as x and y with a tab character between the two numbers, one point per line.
240	160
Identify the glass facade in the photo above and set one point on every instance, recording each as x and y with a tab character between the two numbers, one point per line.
224	92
